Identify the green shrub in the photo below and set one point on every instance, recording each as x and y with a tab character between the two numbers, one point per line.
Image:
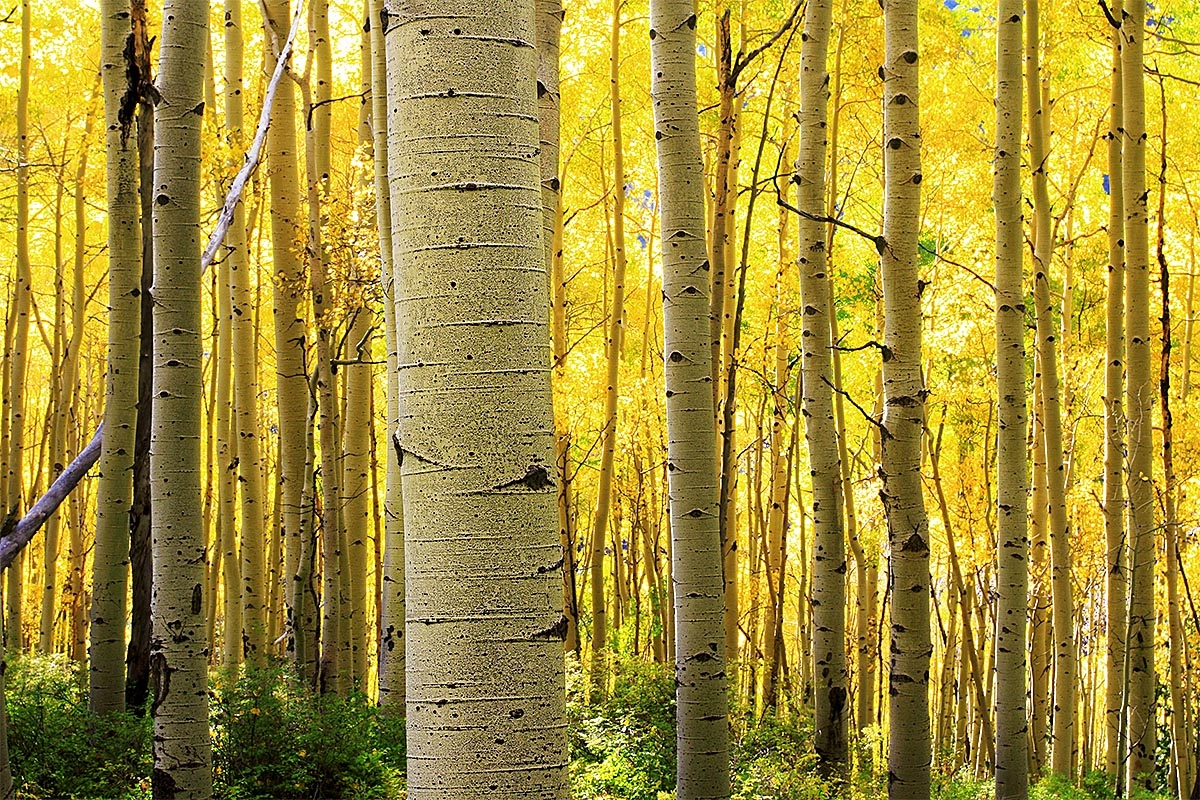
623	748
774	758
58	748
273	738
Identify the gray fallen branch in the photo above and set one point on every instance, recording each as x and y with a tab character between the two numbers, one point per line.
255	153
18	533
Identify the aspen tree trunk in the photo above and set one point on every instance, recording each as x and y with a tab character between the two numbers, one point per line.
1139	396
904	403
18	357
141	556
829	550
1039	651
477	422
114	491
1062	735
54	435
77	642
355	488
1012	500
182	744
548	25
1180	750
1117	560
616	332
391	625
700	668
336	666
772	639
225	464
290	338
244	339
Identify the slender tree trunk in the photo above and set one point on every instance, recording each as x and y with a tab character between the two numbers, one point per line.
290	345
616	332
829	550
700	668
904	404
478	452
114	492
391	626
1139	396
179	651
1117	561
1039	651
1012	476
244	340
1062	735
1180	742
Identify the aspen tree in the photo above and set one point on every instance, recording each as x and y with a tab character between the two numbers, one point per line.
225	464
1117	560
391	625
904	404
1139	397
1040	659
355	487
290	338
182	744
1179	777
18	356
244	344
336	665
77	641
1062	735
700	671
830	697
476	431
548	20
616	332
114	492
1012	570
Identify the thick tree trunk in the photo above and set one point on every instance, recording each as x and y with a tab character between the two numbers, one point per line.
179	650
700	668
477	424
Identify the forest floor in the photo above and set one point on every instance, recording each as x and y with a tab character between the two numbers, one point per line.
272	738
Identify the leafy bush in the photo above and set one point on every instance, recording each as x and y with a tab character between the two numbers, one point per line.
273	738
774	758
58	748
624	747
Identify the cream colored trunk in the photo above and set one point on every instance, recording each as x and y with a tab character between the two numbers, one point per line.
485	622
700	671
179	650
114	492
830	697
391	592
904	405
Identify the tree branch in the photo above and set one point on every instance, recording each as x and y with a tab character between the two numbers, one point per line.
17	534
255	153
743	61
